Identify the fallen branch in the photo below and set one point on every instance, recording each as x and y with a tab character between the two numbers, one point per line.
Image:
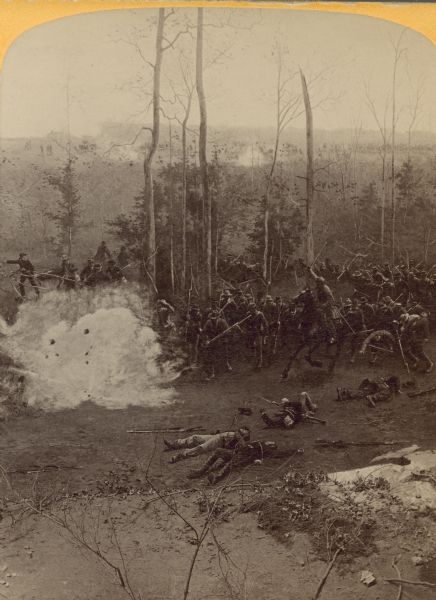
408	582
400	587
326	574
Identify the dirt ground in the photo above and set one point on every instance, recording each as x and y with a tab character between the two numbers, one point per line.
89	457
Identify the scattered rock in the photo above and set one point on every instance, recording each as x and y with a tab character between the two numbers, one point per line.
418	560
367	578
52	342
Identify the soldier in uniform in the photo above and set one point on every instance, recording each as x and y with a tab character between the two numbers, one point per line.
256	330
123	257
197	444
415	331
193	333
98	276
325	304
270	312
291	413
113	271
372	390
27	273
85	273
354	319
102	253
215	351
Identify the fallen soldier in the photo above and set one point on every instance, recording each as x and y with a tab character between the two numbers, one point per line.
372	390
291	413
201	444
223	460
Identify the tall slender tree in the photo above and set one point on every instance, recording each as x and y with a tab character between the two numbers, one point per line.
310	253
202	153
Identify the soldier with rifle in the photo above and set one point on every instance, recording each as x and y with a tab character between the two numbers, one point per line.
257	329
27	273
85	273
270	312
415	331
215	344
193	333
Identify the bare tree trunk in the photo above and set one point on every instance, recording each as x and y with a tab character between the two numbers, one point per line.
202	154
184	194
383	208
397	56
150	249
171	210
310	253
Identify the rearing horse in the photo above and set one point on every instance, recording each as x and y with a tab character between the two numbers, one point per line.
309	333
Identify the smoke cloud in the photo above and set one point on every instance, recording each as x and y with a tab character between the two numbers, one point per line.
90	345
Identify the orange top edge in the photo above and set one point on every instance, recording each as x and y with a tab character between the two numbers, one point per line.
18	16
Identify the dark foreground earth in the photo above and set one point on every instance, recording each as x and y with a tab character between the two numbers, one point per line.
90	511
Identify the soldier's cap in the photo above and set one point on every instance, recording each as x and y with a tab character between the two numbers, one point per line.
97	265
111	261
213	314
90	260
284	401
348	302
244	432
23	254
268	298
226	293
195	307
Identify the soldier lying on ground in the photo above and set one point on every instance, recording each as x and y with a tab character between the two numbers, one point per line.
201	444
223	460
291	413
372	390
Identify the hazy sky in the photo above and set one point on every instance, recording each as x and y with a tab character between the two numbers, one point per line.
107	76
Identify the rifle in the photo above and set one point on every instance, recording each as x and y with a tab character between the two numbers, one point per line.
342	444
223	333
277	332
421	392
402	353
169	430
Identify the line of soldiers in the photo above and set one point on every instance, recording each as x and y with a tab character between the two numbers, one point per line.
100	269
265	325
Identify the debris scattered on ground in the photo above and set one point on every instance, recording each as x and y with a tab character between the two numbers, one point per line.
367	578
418	561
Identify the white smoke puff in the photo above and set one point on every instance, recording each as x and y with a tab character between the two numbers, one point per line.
90	345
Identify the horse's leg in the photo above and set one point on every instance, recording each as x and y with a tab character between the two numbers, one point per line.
317	343
339	346
291	360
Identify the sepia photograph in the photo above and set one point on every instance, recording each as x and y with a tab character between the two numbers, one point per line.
218	306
